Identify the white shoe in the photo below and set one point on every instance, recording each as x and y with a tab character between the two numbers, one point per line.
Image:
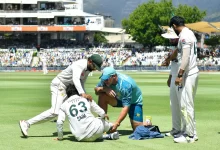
24	127
184	139
196	138
173	132
114	136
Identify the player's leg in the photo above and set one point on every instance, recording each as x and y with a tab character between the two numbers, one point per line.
175	109
187	109
196	78
136	116
106	128
58	96
104	100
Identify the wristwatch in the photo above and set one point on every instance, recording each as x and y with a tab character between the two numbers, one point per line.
180	76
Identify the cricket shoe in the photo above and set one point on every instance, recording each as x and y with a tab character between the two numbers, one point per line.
24	127
114	136
184	139
173	133
195	138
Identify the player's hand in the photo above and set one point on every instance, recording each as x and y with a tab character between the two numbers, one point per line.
106	117
165	63
114	127
109	92
169	81
87	96
178	81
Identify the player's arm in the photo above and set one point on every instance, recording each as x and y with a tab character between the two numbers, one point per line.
97	109
170	57
101	88
77	71
185	60
60	121
186	44
169	80
126	102
76	81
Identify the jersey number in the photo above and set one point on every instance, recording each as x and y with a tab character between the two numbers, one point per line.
74	109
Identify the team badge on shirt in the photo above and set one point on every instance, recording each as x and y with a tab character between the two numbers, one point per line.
183	41
138	115
82	74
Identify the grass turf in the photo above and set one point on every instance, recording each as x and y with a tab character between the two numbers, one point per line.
24	95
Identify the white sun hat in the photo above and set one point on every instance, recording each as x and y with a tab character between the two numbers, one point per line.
170	34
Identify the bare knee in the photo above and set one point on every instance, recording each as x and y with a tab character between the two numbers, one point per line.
104	98
134	124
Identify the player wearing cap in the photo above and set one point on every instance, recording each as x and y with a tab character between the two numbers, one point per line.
83	124
174	92
76	74
187	78
119	90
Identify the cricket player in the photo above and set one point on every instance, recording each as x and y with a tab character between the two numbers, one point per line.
119	90
174	91
83	124
76	74
187	78
44	64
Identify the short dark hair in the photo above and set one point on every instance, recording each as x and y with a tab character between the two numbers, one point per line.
71	90
177	20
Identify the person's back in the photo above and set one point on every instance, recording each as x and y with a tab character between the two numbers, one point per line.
83	123
124	82
66	76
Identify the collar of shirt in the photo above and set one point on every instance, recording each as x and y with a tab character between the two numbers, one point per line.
183	30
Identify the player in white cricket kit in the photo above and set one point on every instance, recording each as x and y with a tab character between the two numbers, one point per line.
44	64
174	91
187	78
83	124
76	74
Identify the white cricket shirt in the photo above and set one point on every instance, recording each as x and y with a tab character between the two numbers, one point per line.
187	39
81	120
76	74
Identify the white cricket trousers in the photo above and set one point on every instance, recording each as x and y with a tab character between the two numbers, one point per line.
187	103
175	105
102	126
45	71
58	96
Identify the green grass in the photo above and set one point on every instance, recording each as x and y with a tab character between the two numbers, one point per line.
24	95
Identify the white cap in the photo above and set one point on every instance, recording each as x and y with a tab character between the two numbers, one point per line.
170	34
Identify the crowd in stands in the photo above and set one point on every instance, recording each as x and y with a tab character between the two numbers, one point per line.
64	57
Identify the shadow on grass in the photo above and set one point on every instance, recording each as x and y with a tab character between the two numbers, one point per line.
53	135
64	133
218	132
73	139
163	132
125	132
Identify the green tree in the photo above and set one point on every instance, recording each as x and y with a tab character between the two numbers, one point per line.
99	38
213	41
190	14
143	22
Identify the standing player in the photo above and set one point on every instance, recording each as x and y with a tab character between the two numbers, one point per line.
83	124
187	78
119	90
76	74
44	64
174	93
